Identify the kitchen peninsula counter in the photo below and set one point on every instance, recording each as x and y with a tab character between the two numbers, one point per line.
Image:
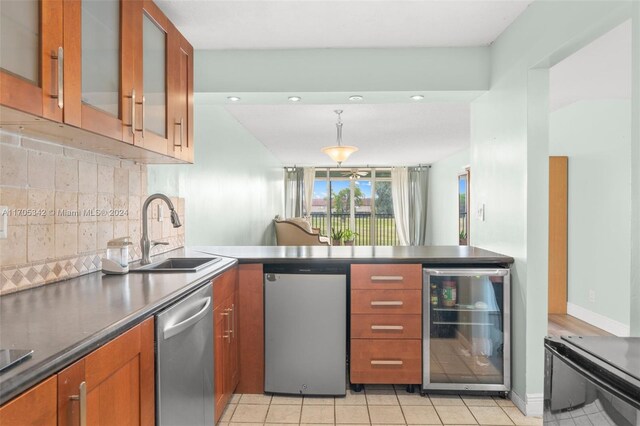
427	255
65	321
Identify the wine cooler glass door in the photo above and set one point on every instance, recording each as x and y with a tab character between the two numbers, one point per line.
466	343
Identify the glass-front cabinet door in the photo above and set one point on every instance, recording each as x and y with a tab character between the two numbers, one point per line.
151	77
466	329
31	56
181	87
98	69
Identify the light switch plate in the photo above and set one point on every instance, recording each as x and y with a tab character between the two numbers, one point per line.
4	214
480	212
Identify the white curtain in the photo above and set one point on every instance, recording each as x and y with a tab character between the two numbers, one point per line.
293	189
400	197
418	195
309	179
409	193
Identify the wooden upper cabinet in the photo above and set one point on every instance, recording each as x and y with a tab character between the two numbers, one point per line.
114	385
181	97
150	54
30	39
98	69
116	68
36	407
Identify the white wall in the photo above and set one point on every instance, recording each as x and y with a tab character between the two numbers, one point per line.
509	163
442	209
234	189
596	136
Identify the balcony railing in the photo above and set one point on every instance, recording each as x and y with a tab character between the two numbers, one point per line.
384	227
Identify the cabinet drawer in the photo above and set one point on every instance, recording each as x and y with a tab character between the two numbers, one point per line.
386	361
386	276
386	326
383	302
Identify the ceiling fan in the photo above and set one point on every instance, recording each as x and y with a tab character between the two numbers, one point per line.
355	174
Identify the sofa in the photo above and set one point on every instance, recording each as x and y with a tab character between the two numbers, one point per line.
297	231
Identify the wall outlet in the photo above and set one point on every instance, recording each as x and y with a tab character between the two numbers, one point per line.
592	296
160	213
4	213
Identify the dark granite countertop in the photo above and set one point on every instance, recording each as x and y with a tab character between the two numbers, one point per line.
64	321
427	255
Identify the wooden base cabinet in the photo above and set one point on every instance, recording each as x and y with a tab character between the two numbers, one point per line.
35	407
226	361
386	324
114	385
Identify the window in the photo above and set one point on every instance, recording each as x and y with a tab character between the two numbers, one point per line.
463	208
355	199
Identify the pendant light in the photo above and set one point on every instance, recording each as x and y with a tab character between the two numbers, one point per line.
339	152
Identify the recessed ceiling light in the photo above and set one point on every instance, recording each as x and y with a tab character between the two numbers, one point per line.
295	98
417	97
233	98
355	98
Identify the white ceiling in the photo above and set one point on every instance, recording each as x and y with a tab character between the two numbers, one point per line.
299	24
600	70
386	134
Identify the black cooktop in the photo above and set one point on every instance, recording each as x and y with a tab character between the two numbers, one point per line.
622	353
10	357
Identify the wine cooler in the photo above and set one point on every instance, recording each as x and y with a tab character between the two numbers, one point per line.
466	330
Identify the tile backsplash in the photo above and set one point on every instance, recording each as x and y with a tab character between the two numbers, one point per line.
64	204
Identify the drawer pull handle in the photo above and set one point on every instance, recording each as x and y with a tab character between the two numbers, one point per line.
386	362
387	327
387	278
386	303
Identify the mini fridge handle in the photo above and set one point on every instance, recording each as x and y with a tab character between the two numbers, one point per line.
468	272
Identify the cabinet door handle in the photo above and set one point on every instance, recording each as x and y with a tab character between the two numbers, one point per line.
387	327
386	362
386	303
227	332
142	104
233	319
230	320
59	92
132	98
383	278
181	124
82	398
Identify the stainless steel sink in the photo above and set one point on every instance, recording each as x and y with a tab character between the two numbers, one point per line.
178	264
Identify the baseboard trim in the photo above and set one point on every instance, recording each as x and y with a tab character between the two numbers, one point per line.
607	324
532	405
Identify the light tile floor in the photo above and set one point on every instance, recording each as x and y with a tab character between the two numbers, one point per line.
376	405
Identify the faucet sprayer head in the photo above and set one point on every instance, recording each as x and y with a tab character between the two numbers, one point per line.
175	220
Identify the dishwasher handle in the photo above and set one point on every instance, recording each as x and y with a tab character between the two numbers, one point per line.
178	328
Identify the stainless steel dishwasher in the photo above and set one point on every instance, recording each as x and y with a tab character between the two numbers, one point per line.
184	361
305	311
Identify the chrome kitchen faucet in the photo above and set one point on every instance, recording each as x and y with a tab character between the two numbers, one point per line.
145	244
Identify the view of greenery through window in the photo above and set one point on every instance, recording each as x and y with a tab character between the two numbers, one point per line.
369	214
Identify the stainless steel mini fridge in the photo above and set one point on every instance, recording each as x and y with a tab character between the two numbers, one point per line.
466	330
305	329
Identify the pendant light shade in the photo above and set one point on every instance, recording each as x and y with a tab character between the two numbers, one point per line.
339	152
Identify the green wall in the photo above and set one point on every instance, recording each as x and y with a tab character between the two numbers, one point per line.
234	189
442	209
342	70
509	163
596	136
